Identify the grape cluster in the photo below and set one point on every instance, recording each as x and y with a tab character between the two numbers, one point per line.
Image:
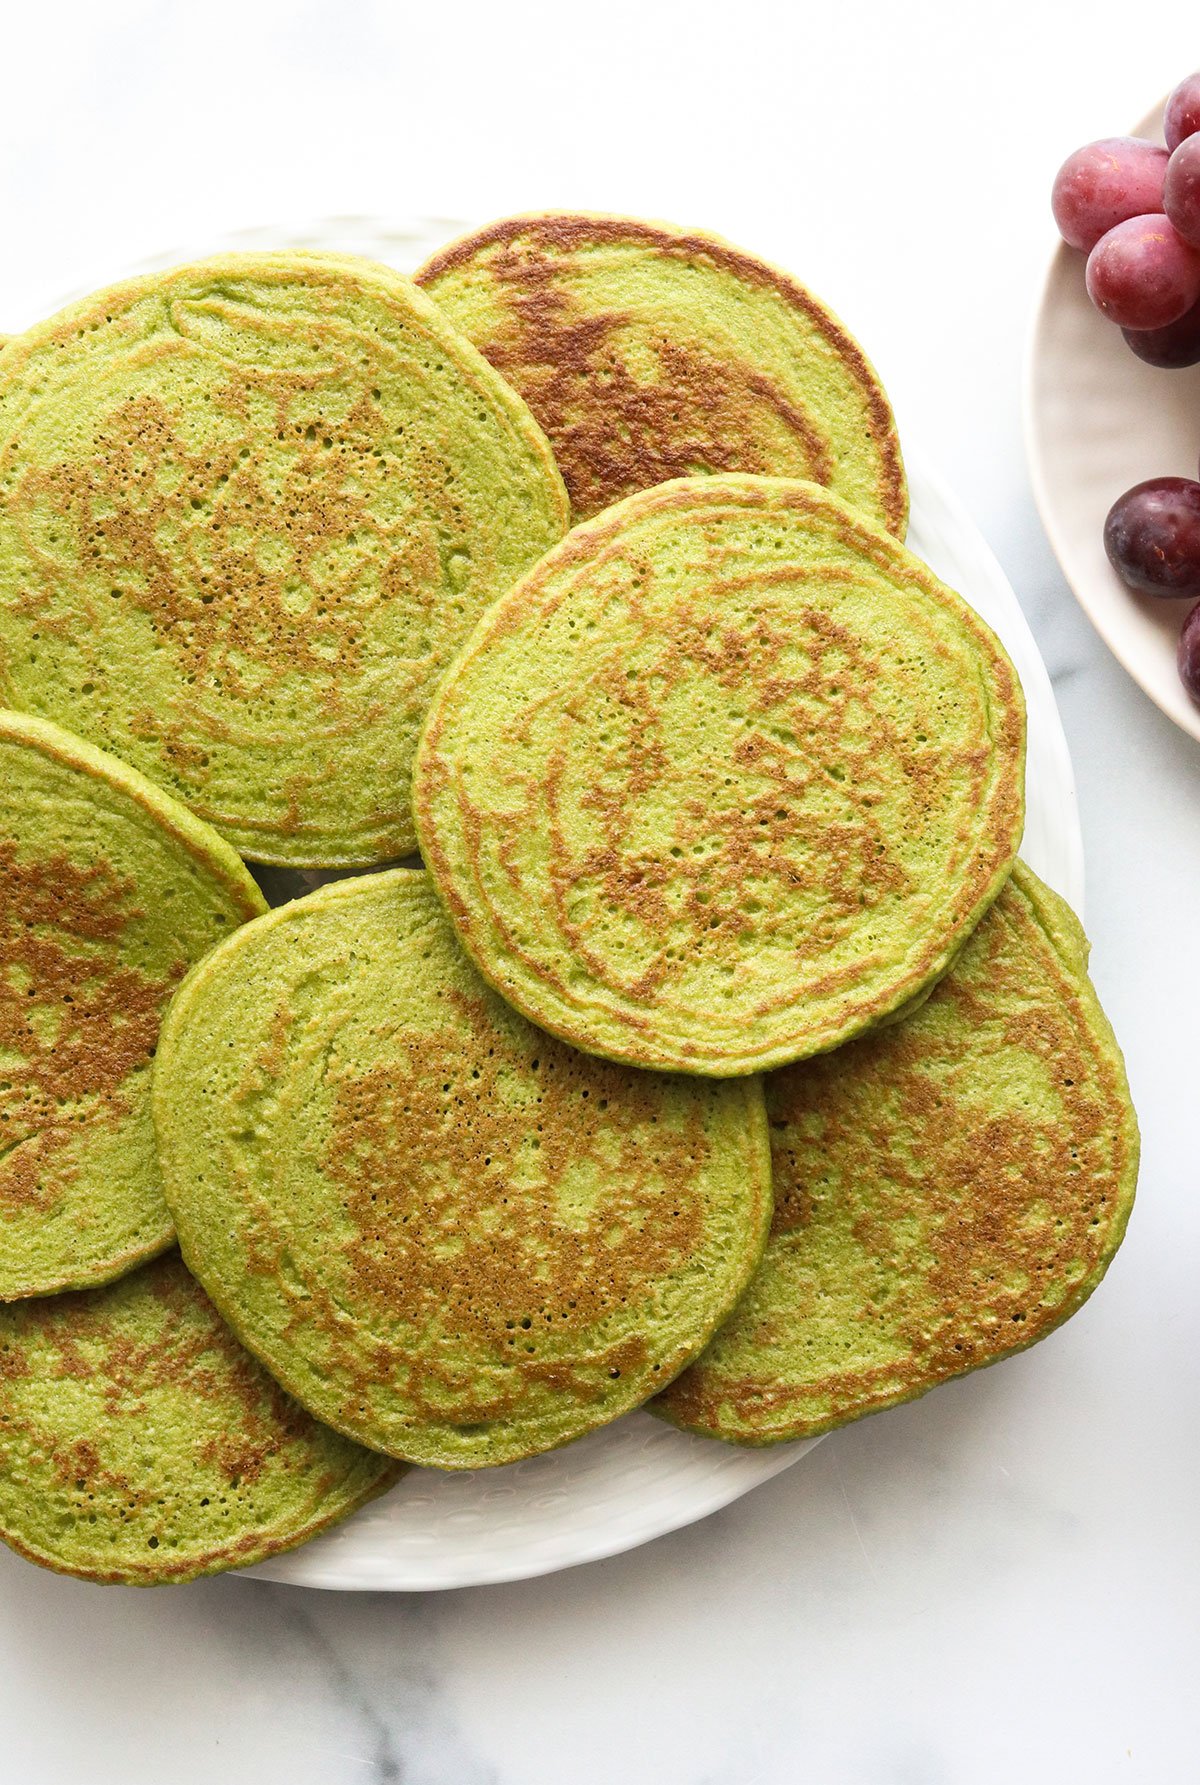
1134	208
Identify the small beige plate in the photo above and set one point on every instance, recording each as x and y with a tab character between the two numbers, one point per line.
1098	419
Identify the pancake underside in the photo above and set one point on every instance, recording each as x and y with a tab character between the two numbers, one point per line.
247	511
448	1235
140	1444
108	891
648	354
726	779
947	1191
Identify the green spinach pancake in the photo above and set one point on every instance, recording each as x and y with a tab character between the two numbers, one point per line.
248	510
947	1191
447	1235
649	353
109	892
727	778
140	1444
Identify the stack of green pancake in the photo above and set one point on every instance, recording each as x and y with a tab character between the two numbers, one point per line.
720	1056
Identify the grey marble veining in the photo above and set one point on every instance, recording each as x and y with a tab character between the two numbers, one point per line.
387	1687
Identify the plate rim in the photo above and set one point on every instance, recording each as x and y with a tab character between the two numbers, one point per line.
774	1461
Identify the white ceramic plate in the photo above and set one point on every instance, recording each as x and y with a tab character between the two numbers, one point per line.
638	1478
1098	419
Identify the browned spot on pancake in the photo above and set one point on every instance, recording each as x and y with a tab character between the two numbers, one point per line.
816	733
614	432
278	491
189	1348
802	804
242	1456
1013	1206
452	1176
144	1482
73	1022
226	561
79	1463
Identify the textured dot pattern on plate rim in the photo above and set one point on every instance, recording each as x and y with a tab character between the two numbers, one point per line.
637	1478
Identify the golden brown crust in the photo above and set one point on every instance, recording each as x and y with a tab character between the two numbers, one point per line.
217	857
105	1015
79	1009
497	947
158	1356
257	519
500	1244
630	413
965	1178
244	1552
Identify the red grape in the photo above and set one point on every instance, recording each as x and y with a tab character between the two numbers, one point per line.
1142	274
1104	184
1189	654
1152	536
1182	117
1181	190
1178	344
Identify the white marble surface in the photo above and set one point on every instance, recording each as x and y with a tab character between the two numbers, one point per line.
1001	1581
